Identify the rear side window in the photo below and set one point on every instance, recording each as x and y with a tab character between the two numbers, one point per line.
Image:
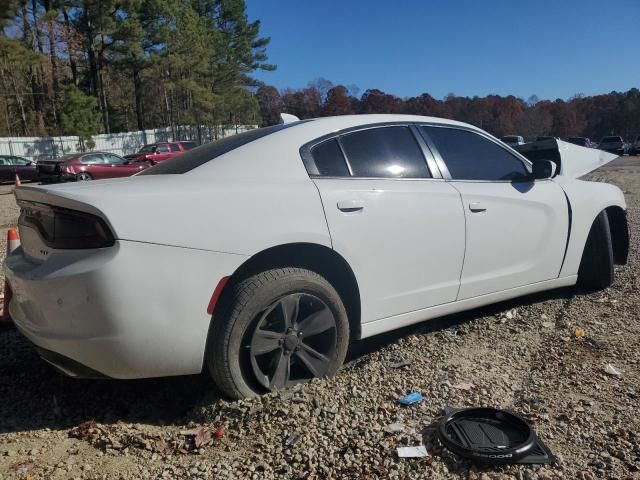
175	147
92	159
205	153
387	152
470	156
329	159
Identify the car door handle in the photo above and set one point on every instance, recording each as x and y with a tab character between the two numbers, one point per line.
350	205
477	207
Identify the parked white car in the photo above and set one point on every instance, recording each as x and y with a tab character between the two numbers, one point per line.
262	256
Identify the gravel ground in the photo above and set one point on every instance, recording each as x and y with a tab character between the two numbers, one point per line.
522	355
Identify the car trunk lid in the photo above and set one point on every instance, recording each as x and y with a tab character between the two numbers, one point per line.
571	160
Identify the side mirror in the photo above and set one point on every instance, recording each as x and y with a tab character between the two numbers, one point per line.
543	169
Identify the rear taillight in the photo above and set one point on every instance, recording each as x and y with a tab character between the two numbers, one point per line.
62	228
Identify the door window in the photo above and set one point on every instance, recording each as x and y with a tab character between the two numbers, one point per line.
329	159
175	147
111	158
19	161
162	149
470	156
92	159
387	152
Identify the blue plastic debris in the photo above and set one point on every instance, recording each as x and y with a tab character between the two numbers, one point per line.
411	398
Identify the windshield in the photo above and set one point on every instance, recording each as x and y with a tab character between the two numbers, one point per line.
205	153
611	139
148	149
510	139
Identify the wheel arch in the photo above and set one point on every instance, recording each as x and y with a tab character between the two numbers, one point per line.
315	257
587	200
619	233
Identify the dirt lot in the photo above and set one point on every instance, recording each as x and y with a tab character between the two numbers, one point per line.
523	355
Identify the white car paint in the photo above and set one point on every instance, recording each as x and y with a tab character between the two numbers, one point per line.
392	227
518	237
139	308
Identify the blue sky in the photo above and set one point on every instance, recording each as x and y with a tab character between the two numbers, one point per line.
553	49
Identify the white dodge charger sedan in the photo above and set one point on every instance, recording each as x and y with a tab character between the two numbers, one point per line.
263	255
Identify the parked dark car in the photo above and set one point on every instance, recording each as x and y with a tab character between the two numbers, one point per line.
634	149
158	152
87	166
546	137
614	144
11	164
582	141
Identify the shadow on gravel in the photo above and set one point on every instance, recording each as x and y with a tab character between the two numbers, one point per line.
34	396
360	349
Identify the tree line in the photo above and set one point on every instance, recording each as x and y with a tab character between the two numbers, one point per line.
82	67
615	113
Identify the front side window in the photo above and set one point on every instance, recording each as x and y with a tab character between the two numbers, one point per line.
386	152
162	149
329	159
175	147
19	161
470	156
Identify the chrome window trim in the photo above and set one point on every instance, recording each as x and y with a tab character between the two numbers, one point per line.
312	170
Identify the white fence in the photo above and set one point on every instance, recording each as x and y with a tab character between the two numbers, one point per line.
36	148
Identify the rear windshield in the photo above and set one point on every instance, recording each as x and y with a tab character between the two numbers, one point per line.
611	139
200	155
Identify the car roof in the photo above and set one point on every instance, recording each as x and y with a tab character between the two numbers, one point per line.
277	155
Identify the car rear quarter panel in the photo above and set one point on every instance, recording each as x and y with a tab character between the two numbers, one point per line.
587	200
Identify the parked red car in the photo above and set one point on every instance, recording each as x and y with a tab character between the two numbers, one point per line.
87	166
157	152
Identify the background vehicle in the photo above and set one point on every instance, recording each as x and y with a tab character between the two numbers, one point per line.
545	137
582	141
11	164
613	144
635	147
264	254
158	152
88	166
513	140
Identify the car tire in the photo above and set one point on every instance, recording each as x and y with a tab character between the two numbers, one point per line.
596	266
252	346
83	177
